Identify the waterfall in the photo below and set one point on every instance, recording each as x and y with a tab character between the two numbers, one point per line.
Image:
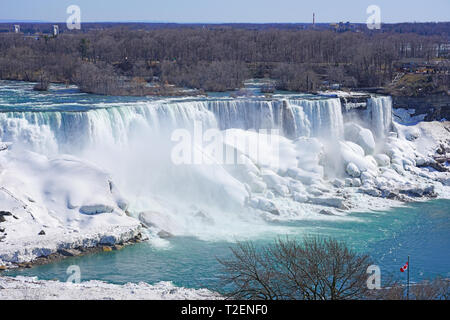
72	131
380	115
319	118
295	118
133	141
59	131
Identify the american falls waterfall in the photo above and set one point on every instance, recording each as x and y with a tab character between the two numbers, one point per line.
65	131
380	115
134	143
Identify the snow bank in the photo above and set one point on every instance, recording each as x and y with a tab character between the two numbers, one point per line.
24	288
55	203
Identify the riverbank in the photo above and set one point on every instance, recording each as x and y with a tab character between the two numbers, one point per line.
55	207
27	288
60	250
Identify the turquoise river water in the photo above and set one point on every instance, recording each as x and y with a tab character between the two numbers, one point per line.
420	230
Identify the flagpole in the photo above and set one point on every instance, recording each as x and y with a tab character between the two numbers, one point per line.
407	286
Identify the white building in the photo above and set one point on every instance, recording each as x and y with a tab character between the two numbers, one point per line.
55	30
16	28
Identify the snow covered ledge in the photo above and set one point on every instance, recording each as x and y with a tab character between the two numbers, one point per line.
33	289
62	206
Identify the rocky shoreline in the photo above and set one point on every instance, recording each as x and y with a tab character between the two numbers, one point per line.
40	226
62	253
67	250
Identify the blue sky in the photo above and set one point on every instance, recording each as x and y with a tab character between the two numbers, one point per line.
216	11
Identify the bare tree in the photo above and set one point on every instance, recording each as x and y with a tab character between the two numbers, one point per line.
313	269
219	58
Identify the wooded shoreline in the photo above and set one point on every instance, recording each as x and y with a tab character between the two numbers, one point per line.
120	60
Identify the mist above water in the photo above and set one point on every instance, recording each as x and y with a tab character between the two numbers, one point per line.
134	142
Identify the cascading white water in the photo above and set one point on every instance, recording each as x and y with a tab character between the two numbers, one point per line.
319	118
380	115
72	131
133	142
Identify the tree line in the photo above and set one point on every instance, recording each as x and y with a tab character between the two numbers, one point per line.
121	60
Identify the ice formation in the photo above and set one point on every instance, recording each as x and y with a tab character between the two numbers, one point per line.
321	163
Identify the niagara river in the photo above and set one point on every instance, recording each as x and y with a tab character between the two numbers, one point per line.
80	164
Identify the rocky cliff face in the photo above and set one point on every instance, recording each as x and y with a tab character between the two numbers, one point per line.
428	108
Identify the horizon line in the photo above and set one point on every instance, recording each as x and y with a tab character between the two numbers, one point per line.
211	23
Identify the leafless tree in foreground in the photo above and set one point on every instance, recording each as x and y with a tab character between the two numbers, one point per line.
313	269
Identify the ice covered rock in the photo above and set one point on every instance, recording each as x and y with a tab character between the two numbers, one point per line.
257	186
348	182
153	219
272	180
268	206
275	183
338	183
408	163
412	133
361	136
352	170
356	182
248	164
315	191
351	155
371	192
329	202
94	209
69	252
303	176
270	195
282	190
420	161
393	134
300	197
419	191
326	212
355	148
295	186
371	164
255	182
367	177
398	168
445	180
382	160
123	204
165	234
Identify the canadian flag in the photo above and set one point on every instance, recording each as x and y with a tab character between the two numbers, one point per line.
404	268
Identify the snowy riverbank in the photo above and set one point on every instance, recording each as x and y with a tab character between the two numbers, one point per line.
24	288
59	205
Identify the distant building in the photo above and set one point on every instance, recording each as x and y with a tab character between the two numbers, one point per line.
442	50
55	30
16	28
343	27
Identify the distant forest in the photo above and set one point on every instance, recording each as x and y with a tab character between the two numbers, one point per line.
143	59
